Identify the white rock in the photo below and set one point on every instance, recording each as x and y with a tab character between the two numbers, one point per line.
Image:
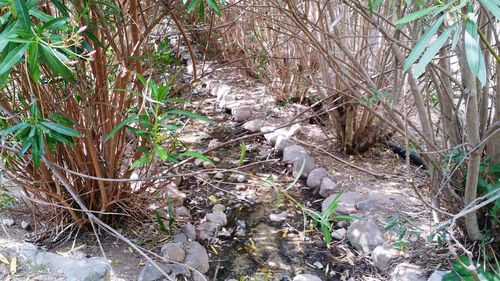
253	125
221	90
282	142
318	265
241	178
339	234
8	222
219	176
306	277
241	113
365	235
406	272
25	225
315	176
283	216
213	143
382	256
227	101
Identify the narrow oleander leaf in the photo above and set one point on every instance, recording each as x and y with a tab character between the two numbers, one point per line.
23	14
61	7
25	147
431	52
473	51
196	155
61	129
140	162
61	119
419	48
16	127
53	61
243	153
418	14
12	58
35	152
119	126
33	68
214	6
493	7
192	5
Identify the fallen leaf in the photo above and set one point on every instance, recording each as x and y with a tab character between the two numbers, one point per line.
4	259
13	265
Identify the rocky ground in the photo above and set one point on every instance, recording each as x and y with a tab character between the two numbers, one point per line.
251	218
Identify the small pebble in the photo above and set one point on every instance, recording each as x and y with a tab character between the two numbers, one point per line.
207	165
219	176
25	225
8	222
318	265
241	178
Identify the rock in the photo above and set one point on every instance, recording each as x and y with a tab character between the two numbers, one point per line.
283	216
180	238
218	208
339	234
8	222
365	235
182	212
190	231
306	277
150	273
208	165
274	136
226	101
327	187
25	225
199	277
241	113
179	269
438	275
308	164
213	143
221	90
198	162
366	205
173	194
205	230
197	257
406	272
318	265
91	269
224	233
293	152
382	256
315	176
282	142
241	178
173	252
253	125
219	176
346	202
218	218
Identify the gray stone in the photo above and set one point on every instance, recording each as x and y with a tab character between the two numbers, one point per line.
174	195
173	252
205	230
213	143
365	235
339	234
315	176
293	152
197	257
274	136
346	203
208	165
366	205
199	277
180	238
382	256
406	272
220	90
25	225
219	176
179	269
182	212
282	142
218	218
306	277
151	273
241	113
253	125
283	216
306	161
91	269
8	222
438	275
218	208
327	187
226	101
190	231
198	162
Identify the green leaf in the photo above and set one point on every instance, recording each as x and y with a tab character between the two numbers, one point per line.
33	54
7	34
418	14
473	52
431	52
61	129
494	8
12	58
190	114
419	47
35	152
16	127
26	146
161	152
61	7
140	162
243	153
192	5
119	126
214	6
23	14
195	154
53	61
61	138
61	119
